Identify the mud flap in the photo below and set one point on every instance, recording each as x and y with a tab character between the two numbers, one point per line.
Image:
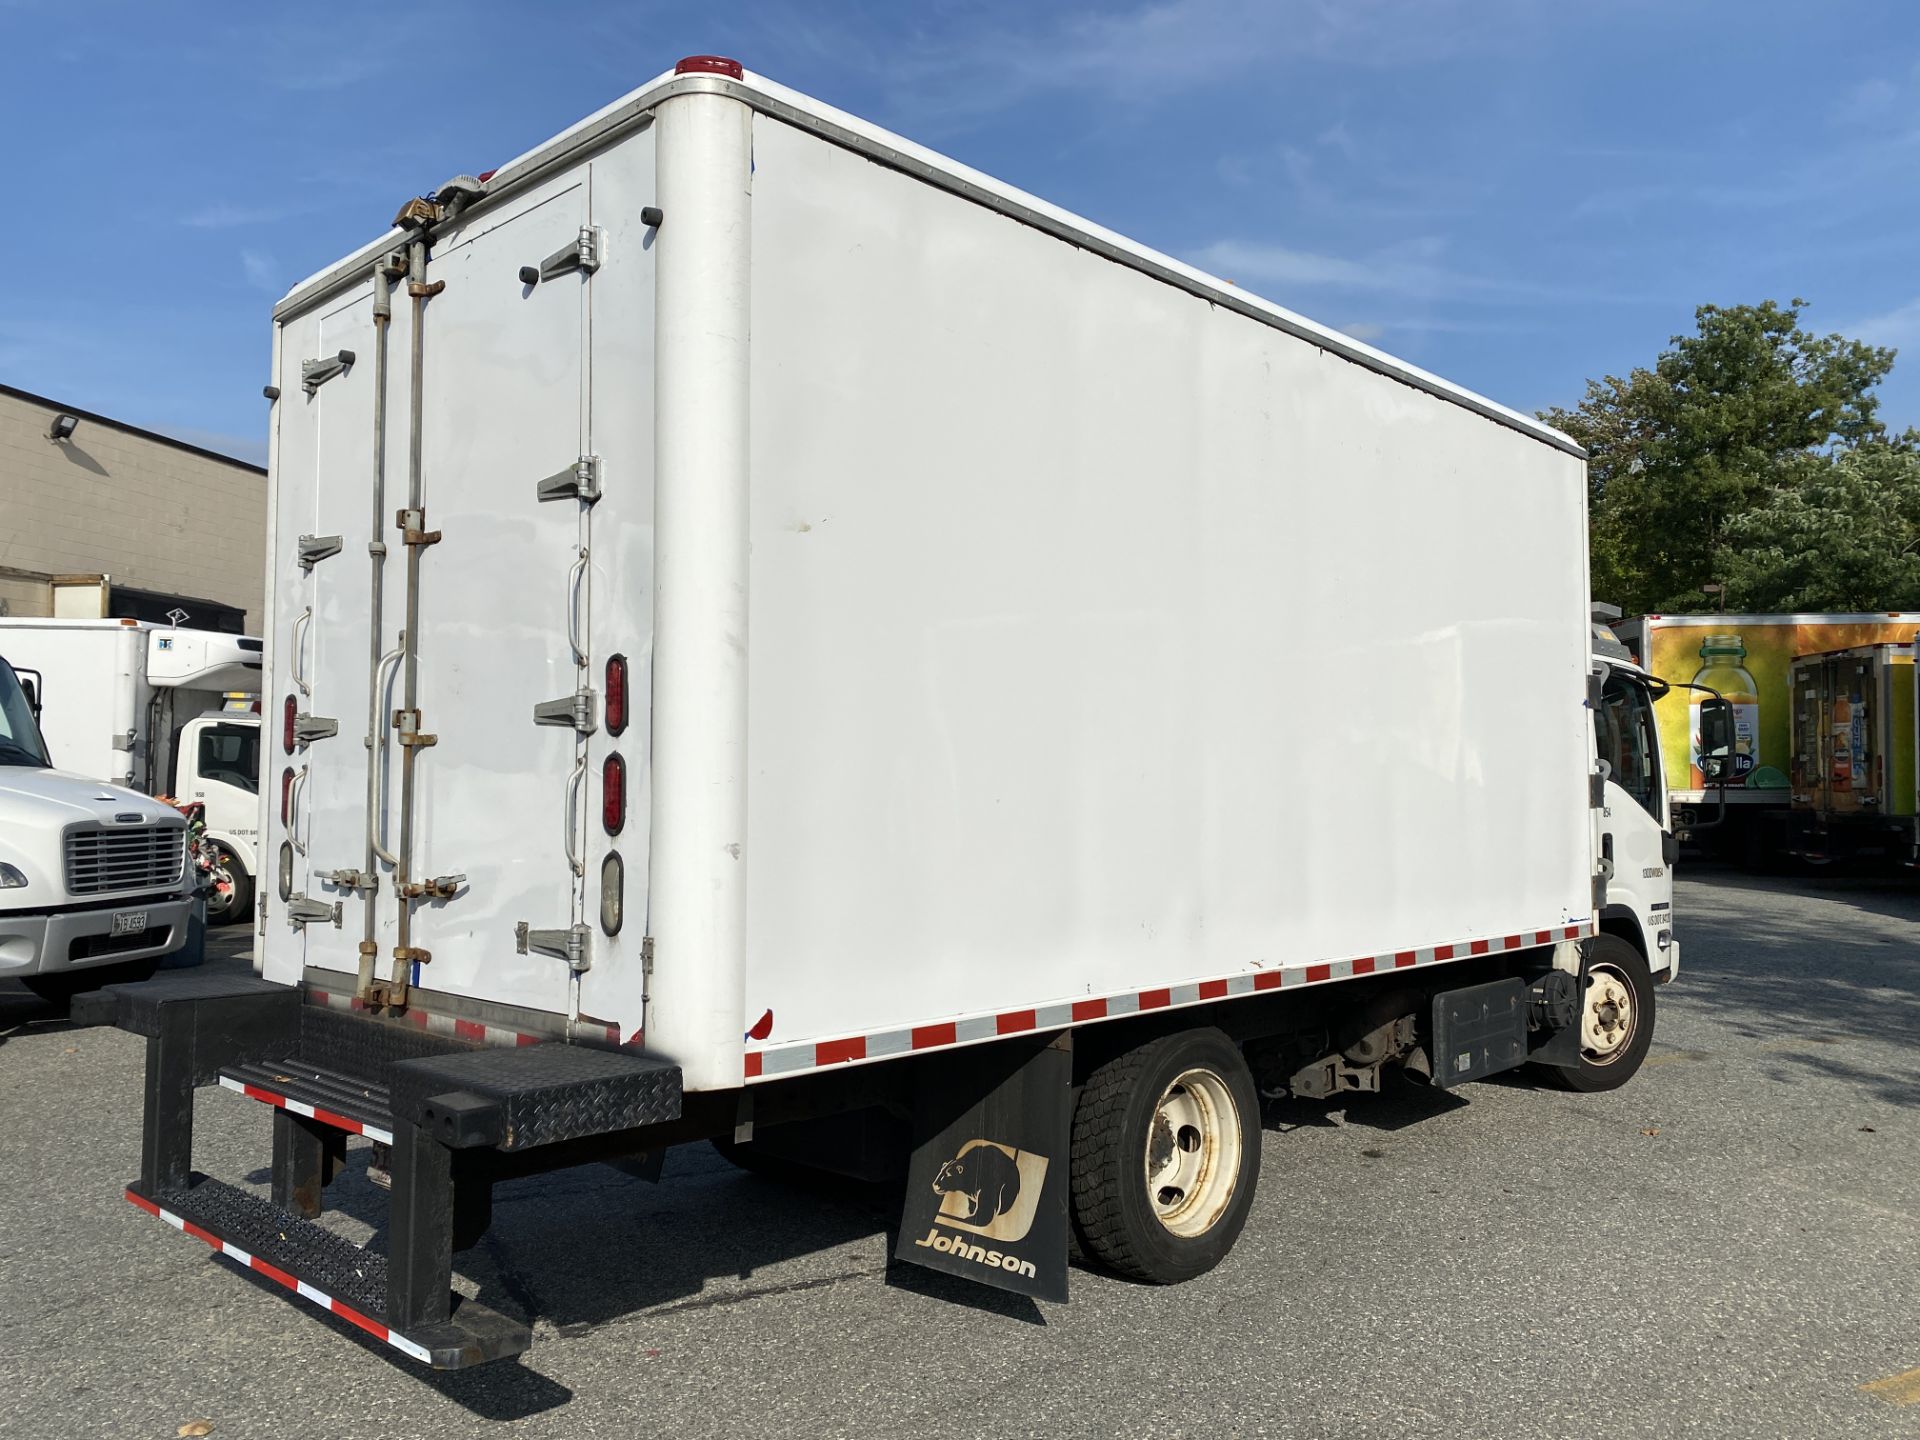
987	1185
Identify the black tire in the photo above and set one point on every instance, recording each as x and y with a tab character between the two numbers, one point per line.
1116	1122
234	905
1612	958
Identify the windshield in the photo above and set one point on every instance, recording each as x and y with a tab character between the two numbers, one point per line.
20	742
1624	734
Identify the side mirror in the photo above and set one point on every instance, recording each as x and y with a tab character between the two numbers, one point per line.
1716	738
32	692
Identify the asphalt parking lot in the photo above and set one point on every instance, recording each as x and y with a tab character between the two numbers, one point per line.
1726	1247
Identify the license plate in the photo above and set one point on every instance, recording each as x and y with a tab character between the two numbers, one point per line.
130	922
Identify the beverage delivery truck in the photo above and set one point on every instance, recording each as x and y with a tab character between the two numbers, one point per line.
167	711
780	638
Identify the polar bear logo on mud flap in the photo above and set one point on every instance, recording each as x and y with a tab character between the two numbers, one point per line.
990	1189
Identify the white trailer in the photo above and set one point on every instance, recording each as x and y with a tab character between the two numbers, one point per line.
843	652
152	707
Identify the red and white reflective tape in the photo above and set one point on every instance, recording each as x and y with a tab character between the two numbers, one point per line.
593	1033
312	1112
805	1055
280	1277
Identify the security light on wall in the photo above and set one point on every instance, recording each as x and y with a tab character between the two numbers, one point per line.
63	427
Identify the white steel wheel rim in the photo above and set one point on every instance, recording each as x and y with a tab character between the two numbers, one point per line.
1193	1153
1609	1017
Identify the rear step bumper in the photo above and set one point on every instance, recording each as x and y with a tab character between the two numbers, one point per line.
455	1115
331	1272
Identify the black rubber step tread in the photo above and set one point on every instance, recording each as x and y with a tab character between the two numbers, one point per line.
136	1005
328	1262
311	1084
334	1273
536	1094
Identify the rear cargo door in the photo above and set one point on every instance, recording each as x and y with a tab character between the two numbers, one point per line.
316	694
502	793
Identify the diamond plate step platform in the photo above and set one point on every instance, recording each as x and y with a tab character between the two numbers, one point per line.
332	1097
328	1271
534	1095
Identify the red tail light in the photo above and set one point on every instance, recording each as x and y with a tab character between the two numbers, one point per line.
286	794
613	794
616	694
286	727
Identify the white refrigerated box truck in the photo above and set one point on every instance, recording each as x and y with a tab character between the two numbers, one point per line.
778	637
152	707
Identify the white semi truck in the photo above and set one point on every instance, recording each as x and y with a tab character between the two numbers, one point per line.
780	638
148	706
94	880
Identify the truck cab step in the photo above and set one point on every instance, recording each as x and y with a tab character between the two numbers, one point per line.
329	1271
332	1097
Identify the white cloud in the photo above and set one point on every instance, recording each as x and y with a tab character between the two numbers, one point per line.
261	271
1898	326
1868	101
1146	52
1408	271
222	215
1364	330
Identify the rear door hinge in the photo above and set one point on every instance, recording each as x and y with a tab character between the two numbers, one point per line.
308	728
315	548
315	373
412	525
348	879
302	911
579	481
582	255
569	945
407	722
578	710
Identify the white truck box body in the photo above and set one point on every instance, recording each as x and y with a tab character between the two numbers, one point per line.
1038	629
100	677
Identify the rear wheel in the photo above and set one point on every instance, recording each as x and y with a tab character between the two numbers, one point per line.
1616	1018
231	897
1166	1152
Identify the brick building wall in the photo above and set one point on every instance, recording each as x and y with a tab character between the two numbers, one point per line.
151	513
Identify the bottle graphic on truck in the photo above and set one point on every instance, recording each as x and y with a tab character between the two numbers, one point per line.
1723	669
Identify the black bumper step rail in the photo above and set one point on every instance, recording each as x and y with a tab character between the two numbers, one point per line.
453	1116
331	1097
329	1271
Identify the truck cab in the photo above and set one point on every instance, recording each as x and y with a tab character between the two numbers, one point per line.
94	881
216	761
1635	840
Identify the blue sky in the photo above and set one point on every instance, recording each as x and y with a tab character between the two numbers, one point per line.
1517	194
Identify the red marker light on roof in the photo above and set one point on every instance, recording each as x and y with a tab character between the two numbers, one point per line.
710	65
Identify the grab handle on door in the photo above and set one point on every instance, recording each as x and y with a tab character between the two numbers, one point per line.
299	669
377	820
293	809
575	589
575	784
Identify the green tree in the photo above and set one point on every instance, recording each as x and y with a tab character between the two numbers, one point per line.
1726	418
1845	535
